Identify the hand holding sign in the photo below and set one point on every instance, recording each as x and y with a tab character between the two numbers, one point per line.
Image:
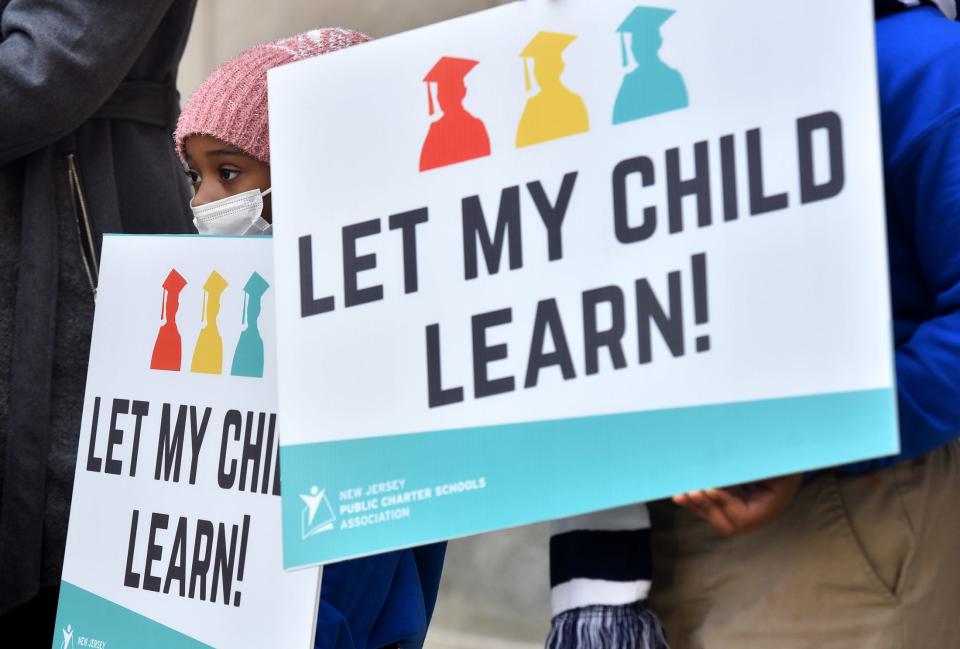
742	508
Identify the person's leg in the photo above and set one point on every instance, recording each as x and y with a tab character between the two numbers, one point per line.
928	583
856	561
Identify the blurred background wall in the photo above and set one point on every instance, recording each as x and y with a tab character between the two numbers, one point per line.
223	28
495	591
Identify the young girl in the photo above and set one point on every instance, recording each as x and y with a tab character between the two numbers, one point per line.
381	601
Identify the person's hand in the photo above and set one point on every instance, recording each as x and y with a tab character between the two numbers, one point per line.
738	509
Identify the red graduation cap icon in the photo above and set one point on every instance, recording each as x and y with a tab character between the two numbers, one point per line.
166	349
457	135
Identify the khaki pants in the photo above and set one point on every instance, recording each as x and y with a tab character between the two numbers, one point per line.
857	561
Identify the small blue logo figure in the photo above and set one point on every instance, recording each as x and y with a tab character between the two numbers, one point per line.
652	87
248	358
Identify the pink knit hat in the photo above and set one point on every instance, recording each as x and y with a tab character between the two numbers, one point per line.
231	105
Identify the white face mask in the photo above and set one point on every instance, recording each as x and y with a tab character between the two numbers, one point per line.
237	214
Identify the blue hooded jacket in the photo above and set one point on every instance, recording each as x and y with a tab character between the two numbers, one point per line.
379	601
918	57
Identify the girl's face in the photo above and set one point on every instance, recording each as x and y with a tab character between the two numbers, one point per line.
218	170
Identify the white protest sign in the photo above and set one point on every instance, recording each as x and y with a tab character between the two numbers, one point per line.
561	256
174	537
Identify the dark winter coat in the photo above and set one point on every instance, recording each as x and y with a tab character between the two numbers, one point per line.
87	105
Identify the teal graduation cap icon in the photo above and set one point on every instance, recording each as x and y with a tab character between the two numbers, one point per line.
248	358
652	87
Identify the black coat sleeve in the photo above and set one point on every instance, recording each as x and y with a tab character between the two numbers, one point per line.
60	60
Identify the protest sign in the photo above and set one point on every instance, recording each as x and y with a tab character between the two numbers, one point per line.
561	256
174	536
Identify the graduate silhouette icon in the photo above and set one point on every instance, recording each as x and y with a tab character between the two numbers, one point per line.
208	354
166	349
248	357
652	87
457	135
555	111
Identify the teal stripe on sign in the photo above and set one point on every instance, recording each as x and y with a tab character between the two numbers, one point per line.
523	473
86	620
187	236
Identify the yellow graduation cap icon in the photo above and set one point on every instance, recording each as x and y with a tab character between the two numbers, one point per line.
208	354
546	50
213	288
555	111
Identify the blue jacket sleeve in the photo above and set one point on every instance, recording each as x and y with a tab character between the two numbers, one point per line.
919	84
925	188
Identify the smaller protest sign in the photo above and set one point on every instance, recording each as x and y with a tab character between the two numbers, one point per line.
174	537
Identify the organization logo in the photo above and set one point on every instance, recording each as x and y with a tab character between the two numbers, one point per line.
317	515
208	352
649	87
67	637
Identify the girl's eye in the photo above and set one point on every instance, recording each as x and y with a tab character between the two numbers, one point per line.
193	176
227	175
